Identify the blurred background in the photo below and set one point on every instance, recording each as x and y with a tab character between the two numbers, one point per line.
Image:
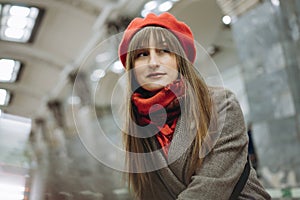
60	77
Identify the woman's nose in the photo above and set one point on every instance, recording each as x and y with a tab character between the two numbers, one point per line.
153	58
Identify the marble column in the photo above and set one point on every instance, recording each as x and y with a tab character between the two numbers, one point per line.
267	40
40	165
81	87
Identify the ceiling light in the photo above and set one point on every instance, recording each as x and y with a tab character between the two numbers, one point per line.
14	33
150	5
34	12
9	70
102	57
74	100
157	6
275	2
144	13
18	22
97	75
226	20
20	11
165	6
4	97
117	67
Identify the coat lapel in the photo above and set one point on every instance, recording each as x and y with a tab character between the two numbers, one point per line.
173	175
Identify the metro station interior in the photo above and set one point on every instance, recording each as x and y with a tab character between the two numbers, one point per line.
61	81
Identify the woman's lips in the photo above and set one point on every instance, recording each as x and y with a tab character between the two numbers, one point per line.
156	75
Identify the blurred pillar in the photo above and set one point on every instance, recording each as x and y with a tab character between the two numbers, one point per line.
41	164
60	183
95	183
289	19
81	87
84	120
267	40
89	169
58	132
56	109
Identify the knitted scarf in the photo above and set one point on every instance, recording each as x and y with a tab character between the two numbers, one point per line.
161	109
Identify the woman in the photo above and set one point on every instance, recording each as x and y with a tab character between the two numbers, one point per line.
184	140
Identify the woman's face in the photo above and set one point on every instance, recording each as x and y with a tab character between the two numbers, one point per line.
155	66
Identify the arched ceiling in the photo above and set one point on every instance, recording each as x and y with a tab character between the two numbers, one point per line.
70	28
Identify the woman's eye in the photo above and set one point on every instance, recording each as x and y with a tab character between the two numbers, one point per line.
165	50
141	54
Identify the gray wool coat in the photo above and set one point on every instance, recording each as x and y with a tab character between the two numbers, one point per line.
221	168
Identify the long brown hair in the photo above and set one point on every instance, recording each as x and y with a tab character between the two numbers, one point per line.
197	101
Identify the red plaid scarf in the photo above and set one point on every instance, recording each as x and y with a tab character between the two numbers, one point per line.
162	107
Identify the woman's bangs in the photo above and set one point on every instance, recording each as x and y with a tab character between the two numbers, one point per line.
160	36
140	40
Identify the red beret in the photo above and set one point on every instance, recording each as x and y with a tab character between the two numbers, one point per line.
166	20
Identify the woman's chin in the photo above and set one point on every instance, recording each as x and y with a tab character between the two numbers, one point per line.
153	86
